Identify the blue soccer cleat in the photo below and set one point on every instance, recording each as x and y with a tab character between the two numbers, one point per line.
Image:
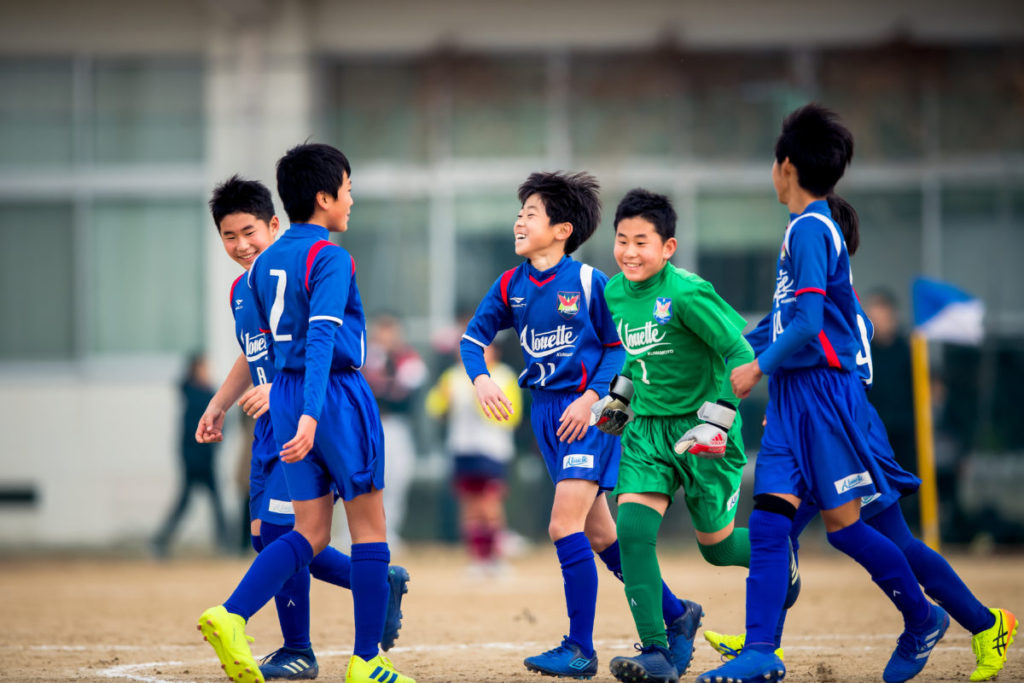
290	664
652	665
912	649
749	666
398	585
681	633
567	660
793	588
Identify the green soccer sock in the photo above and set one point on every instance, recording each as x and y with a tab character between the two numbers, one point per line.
733	551
637	527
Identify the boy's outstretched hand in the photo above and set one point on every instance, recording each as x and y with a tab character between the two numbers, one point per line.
302	442
255	401
211	425
492	399
744	377
575	418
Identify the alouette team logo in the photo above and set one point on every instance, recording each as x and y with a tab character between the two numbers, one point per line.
662	310
568	304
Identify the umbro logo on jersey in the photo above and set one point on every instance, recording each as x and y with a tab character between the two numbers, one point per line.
518	301
238	304
852	482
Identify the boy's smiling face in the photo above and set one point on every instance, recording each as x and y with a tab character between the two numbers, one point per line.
639	250
244	236
533	231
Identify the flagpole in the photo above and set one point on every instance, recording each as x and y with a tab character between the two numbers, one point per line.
925	440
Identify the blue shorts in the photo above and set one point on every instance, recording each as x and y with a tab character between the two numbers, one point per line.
817	442
348	450
268	490
898	481
595	457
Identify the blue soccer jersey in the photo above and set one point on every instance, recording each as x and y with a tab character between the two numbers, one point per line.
565	330
303	284
814	309
268	492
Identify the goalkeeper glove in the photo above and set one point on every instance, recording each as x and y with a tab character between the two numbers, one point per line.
611	413
708	440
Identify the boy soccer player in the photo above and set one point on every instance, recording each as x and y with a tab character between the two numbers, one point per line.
305	295
680	338
816	440
243	212
557	308
992	629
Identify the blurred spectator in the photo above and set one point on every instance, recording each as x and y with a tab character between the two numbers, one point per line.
892	390
197	460
395	373
481	450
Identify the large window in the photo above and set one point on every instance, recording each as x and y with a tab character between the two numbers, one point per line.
36	113
390	244
100	266
37	303
378	109
146	276
627	105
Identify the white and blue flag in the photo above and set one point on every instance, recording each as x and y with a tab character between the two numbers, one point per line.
943	312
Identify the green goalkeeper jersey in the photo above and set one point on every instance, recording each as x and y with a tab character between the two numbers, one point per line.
681	339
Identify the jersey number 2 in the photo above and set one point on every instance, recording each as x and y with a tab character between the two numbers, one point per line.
277	309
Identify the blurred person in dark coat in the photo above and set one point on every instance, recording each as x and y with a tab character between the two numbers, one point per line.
197	459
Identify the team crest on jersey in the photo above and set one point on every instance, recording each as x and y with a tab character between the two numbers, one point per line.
568	304
662	310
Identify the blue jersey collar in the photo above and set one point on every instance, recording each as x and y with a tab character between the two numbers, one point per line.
308	230
817	206
543	274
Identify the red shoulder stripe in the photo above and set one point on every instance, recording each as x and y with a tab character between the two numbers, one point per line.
813	290
505	278
231	299
311	257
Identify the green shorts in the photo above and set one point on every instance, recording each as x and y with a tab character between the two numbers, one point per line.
649	465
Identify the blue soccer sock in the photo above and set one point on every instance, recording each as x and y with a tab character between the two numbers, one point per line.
579	575
268	572
332	566
933	572
888	568
369	595
671	607
768	578
292	600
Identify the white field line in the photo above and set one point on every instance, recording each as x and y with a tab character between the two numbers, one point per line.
138	672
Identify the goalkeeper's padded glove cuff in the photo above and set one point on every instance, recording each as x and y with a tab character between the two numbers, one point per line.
621	388
720	414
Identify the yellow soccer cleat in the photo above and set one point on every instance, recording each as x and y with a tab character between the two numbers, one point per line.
226	633
377	670
729	646
990	645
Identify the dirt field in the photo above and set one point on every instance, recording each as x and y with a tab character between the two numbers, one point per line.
102	620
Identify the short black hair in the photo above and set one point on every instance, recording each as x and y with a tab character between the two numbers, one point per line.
305	170
845	216
656	208
568	198
238	195
818	145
